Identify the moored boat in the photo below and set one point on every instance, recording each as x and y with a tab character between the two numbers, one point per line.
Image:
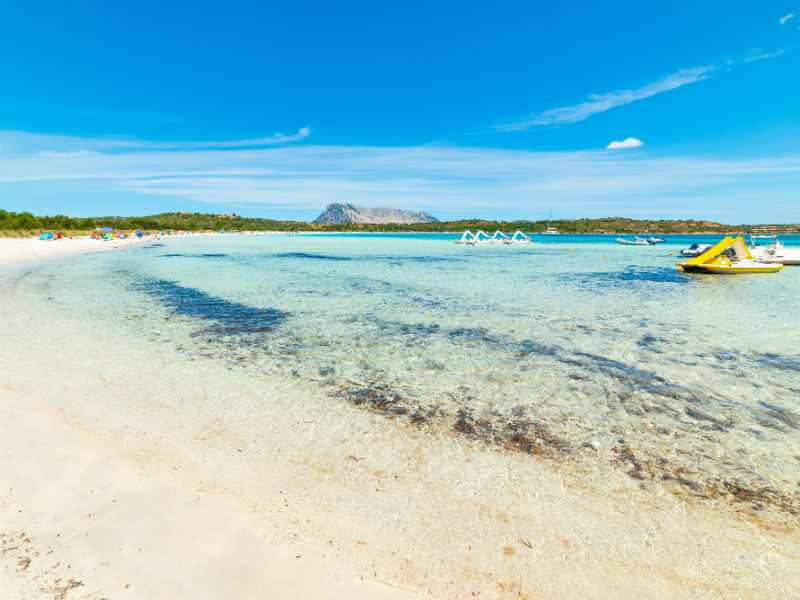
730	256
518	238
695	250
550	230
483	238
499	237
466	238
636	241
774	251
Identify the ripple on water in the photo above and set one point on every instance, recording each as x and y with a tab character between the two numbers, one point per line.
312	256
630	370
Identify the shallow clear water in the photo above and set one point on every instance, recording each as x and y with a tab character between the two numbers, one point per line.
574	350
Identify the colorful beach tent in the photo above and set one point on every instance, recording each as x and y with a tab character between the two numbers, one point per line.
46	236
108	229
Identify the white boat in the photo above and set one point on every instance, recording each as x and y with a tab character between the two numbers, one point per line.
636	241
482	238
550	230
466	238
656	240
773	251
518	238
730	256
695	250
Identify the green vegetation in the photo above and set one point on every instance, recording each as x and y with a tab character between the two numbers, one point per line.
25	223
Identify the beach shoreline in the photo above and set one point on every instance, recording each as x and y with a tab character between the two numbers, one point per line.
14	250
129	437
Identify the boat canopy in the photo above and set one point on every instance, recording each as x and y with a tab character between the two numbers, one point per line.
738	245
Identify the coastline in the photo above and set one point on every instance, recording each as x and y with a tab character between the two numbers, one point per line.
21	249
360	495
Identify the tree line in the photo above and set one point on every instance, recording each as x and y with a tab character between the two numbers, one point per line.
26	221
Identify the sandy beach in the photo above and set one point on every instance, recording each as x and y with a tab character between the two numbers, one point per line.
15	250
82	520
132	470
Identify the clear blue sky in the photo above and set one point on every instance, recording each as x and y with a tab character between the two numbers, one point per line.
502	109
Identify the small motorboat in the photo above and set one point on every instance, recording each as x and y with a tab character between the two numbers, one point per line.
695	250
466	238
636	241
482	238
500	238
656	240
730	256
773	251
518	238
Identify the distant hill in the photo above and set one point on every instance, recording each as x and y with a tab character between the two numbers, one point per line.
337	214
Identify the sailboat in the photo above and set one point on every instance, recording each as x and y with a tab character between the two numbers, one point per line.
550	230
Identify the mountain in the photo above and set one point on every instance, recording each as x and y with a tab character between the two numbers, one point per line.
350	213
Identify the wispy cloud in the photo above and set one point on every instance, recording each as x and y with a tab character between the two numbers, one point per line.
762	55
441	179
54	154
57	145
278	138
783	20
598	103
602	102
630	142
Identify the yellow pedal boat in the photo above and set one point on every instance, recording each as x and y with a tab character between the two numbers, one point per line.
731	256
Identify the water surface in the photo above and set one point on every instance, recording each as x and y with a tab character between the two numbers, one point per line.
572	350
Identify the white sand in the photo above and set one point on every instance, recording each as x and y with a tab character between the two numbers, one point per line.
14	250
81	521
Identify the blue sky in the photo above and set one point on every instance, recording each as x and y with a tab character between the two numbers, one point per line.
503	109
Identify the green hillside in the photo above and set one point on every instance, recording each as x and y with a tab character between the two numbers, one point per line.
27	222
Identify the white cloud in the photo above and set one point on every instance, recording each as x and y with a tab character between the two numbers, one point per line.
603	102
598	103
76	146
630	142
439	179
278	138
762	55
783	20
67	153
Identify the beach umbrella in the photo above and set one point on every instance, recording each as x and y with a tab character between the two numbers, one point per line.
108	229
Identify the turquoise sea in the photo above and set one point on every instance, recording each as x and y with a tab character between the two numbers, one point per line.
574	350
